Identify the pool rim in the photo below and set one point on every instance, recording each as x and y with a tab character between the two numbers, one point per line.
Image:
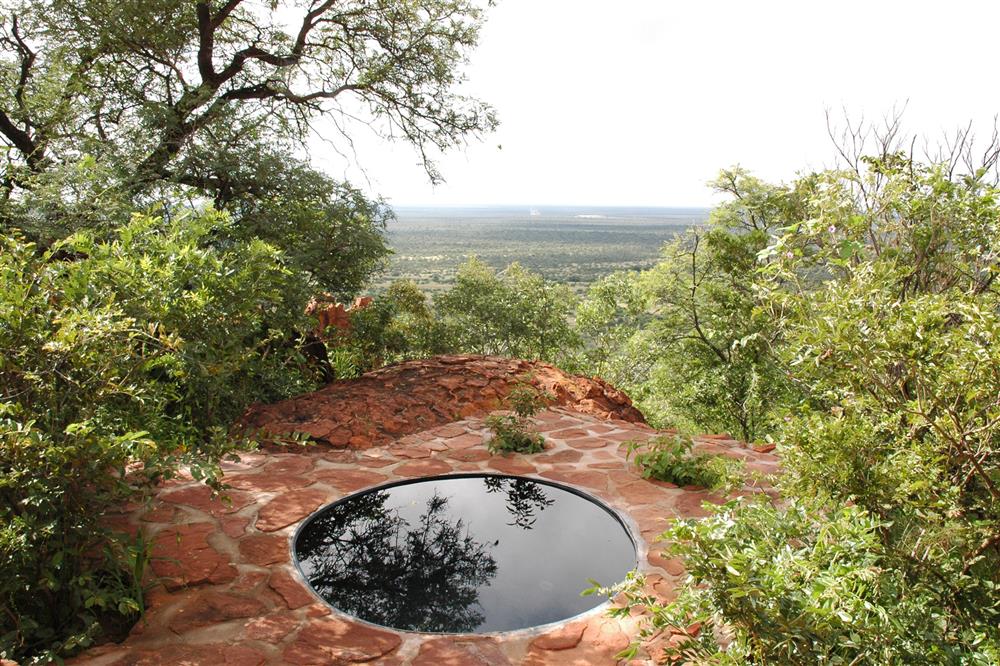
627	524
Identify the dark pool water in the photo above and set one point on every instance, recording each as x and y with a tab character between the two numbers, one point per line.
463	554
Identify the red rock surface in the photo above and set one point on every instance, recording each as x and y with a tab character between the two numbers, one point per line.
332	315
335	641
414	396
228	594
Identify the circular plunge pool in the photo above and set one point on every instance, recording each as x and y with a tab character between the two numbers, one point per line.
463	554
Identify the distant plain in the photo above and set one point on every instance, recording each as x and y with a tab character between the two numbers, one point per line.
571	245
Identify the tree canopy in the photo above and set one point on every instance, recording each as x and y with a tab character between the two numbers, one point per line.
106	107
161	231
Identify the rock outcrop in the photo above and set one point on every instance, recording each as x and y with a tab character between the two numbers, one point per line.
332	315
410	397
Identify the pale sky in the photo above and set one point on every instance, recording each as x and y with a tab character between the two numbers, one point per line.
641	102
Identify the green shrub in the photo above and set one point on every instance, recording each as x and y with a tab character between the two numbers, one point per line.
513	313
885	548
669	458
511	432
799	585
510	435
121	359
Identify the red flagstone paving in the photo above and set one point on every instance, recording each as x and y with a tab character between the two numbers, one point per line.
289	508
229	594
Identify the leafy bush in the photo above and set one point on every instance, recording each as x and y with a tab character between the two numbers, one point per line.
516	313
669	458
121	360
886	547
799	585
615	344
511	432
687	339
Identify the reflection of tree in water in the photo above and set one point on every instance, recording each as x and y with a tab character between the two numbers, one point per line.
367	561
524	498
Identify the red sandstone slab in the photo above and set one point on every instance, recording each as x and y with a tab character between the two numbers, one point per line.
624	476
513	466
291	589
416	468
458	652
411	453
640	493
663	588
201	497
345	457
248	581
689	503
289	508
245	461
376	462
656	558
587	443
181	555
436	445
213	608
264	549
653	520
605	632
583	654
563	638
180	654
270	628
160	514
588	479
548	416
336	641
628	435
297	464
263	482
599	428
235	526
563	456
568	433
351	480
553	426
465	441
452	430
469	455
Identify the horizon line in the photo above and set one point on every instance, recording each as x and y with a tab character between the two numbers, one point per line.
542	205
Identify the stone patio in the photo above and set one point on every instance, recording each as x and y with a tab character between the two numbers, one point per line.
229	594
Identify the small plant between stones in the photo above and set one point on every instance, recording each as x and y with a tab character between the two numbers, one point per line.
512	431
669	458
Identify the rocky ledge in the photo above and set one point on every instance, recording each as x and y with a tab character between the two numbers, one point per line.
414	396
225	590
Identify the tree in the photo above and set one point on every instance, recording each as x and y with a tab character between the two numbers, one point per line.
885	547
684	337
135	321
142	349
513	313
611	322
151	82
107	107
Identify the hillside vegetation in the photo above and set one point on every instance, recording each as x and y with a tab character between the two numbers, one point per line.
851	317
161	237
